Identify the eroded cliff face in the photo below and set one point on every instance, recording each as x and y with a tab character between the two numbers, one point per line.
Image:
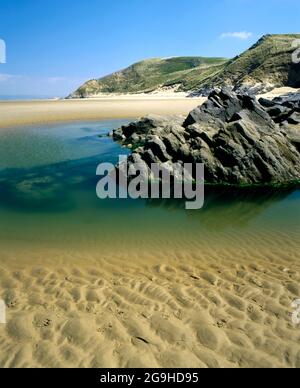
240	140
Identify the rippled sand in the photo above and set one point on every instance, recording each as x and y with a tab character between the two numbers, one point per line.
90	283
220	304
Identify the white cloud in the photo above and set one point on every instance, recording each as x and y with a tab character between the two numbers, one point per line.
243	35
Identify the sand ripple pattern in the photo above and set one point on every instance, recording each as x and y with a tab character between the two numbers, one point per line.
199	311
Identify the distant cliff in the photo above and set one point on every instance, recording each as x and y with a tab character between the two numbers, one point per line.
266	65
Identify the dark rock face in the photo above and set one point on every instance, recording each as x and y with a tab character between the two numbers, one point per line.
284	109
240	140
226	106
140	132
254	90
291	100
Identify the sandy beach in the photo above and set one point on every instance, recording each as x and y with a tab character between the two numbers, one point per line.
24	113
130	300
18	113
149	187
209	307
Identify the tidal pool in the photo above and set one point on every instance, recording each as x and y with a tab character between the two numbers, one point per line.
48	200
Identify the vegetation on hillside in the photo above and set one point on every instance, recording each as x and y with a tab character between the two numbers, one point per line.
269	61
151	74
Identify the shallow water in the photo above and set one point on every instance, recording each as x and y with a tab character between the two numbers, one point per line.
124	283
48	204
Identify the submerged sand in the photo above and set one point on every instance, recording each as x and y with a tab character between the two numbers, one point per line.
213	305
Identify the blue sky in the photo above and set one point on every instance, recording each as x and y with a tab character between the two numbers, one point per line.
53	46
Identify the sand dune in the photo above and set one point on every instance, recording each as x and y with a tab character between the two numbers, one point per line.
222	306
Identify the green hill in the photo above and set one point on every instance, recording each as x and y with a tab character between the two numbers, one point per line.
152	74
268	63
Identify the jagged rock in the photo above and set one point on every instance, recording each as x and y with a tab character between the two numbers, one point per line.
294	119
235	136
266	103
152	125
253	89
284	110
293	134
148	156
158	148
290	100
136	128
203	92
172	144
223	107
277	111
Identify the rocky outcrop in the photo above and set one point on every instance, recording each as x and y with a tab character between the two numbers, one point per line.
252	89
283	110
241	141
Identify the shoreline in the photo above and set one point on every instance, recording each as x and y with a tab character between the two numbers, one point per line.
26	113
166	288
43	112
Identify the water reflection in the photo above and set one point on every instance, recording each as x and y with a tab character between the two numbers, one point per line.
230	207
66	190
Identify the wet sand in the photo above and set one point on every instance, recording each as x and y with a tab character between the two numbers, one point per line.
221	306
167	291
23	113
19	113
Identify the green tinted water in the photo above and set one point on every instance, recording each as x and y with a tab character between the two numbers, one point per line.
48	200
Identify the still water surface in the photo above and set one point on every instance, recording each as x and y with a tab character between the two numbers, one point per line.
48	200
